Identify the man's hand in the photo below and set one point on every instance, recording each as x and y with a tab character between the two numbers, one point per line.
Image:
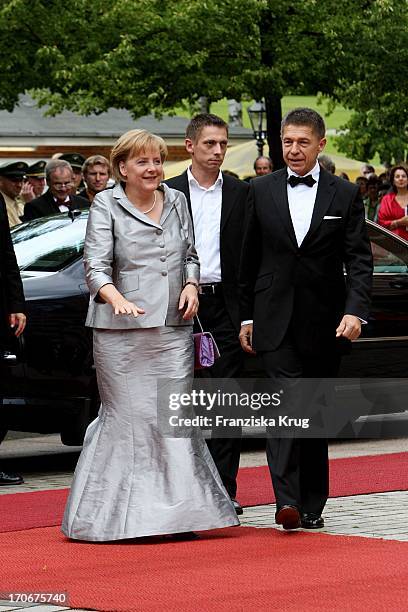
17	320
27	192
245	338
350	327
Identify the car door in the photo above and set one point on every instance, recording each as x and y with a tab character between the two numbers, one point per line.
382	350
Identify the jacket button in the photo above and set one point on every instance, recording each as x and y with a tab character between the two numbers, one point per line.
163	258
164	273
159	232
161	245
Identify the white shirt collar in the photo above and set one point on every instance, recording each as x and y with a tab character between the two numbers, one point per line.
194	181
315	172
64	203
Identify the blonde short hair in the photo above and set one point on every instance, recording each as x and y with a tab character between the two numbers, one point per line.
133	143
94	160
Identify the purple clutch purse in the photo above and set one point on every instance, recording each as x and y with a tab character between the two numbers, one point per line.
205	349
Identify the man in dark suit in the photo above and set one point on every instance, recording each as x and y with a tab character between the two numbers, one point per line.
11	309
297	309
217	206
58	197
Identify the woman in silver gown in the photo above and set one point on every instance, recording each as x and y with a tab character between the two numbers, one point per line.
142	271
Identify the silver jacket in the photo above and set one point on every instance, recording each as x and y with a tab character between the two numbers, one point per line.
147	262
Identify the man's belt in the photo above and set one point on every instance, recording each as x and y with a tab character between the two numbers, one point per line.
210	288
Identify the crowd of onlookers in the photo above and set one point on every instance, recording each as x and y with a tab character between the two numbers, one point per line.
65	182
73	181
385	196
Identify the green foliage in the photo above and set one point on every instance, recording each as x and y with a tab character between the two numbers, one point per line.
156	55
375	87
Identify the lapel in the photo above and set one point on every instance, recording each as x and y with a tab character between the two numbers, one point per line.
120	196
279	193
325	193
181	183
168	204
228	197
51	203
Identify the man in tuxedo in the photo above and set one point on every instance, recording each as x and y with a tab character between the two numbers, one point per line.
11	311
217	206
57	198
297	309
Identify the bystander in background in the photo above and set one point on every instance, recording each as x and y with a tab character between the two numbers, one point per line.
96	174
393	212
11	182
372	199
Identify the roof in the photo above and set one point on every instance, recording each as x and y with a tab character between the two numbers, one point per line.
28	120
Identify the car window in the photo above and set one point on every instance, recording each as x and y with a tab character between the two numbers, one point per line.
389	255
49	245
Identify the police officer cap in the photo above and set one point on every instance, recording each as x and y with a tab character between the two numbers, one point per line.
37	170
16	169
75	159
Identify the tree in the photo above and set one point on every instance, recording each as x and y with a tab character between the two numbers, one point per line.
153	55
374	82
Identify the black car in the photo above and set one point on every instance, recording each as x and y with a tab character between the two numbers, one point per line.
49	379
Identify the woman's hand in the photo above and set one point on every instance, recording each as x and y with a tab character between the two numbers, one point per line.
189	301
399	222
124	307
121	306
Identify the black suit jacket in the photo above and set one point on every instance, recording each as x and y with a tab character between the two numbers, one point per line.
11	288
45	205
234	195
282	284
84	194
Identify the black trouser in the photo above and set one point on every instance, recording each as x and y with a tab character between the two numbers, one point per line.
299	466
215	318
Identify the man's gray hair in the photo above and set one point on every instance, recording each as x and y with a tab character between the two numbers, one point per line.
305	116
327	163
56	164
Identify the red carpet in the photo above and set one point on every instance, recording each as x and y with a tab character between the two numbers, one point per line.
240	569
351	476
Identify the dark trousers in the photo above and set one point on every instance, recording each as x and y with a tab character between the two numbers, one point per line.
215	318
299	466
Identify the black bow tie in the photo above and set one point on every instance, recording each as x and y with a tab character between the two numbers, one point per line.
297	180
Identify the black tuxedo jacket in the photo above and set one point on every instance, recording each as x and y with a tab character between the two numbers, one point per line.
234	196
304	287
11	288
46	205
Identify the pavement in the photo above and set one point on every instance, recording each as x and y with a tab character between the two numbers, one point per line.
377	515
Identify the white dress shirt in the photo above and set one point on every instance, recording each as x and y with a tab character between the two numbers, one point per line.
301	203
62	207
206	209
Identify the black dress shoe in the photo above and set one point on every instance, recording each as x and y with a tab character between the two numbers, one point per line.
312	521
184	536
237	506
9	478
288	517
